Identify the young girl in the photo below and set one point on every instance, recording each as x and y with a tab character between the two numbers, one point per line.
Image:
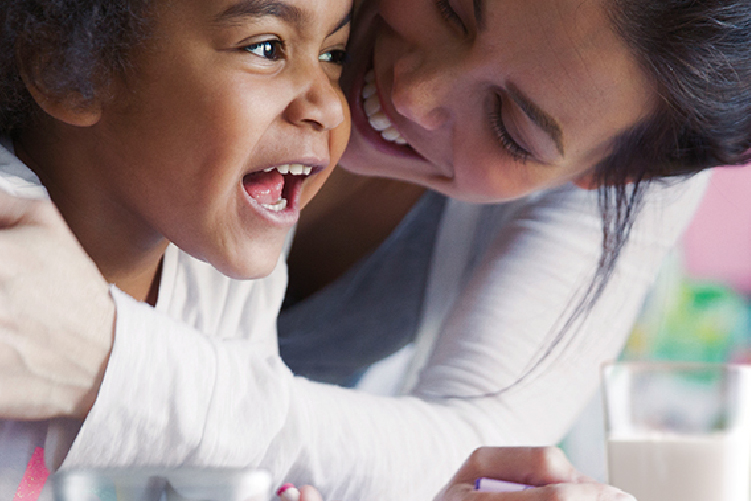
204	123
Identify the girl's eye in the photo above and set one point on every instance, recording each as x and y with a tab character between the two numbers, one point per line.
449	14
336	56
272	50
507	141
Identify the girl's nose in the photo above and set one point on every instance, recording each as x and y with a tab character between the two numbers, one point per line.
423	92
319	103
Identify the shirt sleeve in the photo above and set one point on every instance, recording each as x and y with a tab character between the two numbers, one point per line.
166	386
503	371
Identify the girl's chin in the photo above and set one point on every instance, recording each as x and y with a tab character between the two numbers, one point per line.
243	267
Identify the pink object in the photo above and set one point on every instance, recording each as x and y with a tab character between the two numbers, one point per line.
33	479
717	243
492	485
288	492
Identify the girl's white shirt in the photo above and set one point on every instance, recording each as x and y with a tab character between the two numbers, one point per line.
198	381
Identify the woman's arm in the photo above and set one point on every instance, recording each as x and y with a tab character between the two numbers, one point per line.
56	314
507	334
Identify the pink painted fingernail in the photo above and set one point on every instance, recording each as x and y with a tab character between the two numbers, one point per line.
288	492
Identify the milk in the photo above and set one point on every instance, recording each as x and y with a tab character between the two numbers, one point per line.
659	466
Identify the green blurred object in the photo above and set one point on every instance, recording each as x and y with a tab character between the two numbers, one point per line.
690	320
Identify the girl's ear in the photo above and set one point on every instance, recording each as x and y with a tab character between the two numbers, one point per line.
70	108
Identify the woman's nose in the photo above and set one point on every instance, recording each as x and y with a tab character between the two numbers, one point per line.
319	103
423	93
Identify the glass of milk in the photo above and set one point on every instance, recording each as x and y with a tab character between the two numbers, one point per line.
678	431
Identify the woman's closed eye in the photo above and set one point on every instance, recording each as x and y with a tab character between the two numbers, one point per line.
448	13
506	140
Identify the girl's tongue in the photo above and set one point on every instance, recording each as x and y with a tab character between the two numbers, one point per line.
265	187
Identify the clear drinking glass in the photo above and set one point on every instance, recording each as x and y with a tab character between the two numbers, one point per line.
161	484
678	431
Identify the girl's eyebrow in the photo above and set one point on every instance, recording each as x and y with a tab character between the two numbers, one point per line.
344	22
260	8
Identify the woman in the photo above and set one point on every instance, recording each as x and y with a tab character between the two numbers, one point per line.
618	125
415	79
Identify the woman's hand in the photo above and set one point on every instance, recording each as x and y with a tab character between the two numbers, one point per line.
56	315
544	467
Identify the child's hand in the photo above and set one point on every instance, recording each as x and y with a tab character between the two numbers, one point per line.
56	315
545	467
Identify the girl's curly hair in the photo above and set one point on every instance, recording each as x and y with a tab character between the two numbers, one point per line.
76	46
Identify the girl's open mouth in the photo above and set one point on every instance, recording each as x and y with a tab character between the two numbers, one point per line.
277	189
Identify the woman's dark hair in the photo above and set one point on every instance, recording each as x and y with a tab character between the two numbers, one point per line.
698	55
77	46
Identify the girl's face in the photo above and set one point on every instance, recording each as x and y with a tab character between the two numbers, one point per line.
231	110
488	100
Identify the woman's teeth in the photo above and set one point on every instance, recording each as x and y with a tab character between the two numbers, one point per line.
376	117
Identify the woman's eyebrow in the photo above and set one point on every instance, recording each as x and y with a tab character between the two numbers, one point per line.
260	8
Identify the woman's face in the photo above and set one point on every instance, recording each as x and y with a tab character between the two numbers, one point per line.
488	100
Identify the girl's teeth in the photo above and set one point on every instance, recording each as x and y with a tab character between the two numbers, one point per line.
377	118
280	205
294	169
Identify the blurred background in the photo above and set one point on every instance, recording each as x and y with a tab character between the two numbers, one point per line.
699	308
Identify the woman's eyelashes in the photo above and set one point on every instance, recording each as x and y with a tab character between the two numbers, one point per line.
502	134
450	15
